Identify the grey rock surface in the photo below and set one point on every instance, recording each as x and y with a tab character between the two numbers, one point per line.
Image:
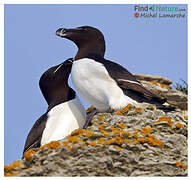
157	78
132	142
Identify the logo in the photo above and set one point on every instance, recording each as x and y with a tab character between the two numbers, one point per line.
158	11
136	15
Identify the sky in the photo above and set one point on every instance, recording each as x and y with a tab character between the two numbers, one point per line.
149	45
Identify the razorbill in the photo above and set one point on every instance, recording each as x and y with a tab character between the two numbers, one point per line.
65	112
104	84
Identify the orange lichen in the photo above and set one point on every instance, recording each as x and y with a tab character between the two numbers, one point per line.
11	174
12	166
154	82
146	131
164	118
138	109
66	143
93	143
141	139
28	154
119	140
110	141
101	141
115	130
80	132
101	118
179	125
129	105
135	133
123	110
118	113
105	132
151	107
186	117
101	126
134	142
126	133
165	85
52	145
117	148
88	133
73	139
152	141
179	164
77	132
121	125
151	135
157	142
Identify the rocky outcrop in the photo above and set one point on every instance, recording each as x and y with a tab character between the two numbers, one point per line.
161	86
131	142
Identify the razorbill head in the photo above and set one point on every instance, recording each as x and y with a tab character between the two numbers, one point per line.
104	84
65	112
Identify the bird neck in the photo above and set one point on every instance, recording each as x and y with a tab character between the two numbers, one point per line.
61	95
89	49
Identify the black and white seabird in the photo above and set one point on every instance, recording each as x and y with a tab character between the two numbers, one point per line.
65	112
104	84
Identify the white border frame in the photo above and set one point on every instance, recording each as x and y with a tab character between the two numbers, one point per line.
2	2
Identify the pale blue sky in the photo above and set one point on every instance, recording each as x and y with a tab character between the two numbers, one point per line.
143	45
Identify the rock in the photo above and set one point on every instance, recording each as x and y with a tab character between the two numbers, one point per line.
157	78
131	142
161	86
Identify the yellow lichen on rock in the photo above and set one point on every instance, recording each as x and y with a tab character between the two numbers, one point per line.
154	82
138	109
52	145
28	154
146	131
121	125
77	132
10	167
165	118
179	164
179	125
11	174
119	140
123	110
165	85
110	141
73	139
150	107
101	141
101	118
117	148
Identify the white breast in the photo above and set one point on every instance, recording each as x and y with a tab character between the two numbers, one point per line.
62	120
94	84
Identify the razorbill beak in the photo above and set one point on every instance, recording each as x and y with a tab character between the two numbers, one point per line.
63	32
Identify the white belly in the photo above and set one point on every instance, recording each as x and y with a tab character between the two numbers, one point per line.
94	84
62	120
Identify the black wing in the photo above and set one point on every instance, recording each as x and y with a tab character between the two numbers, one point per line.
34	137
128	83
